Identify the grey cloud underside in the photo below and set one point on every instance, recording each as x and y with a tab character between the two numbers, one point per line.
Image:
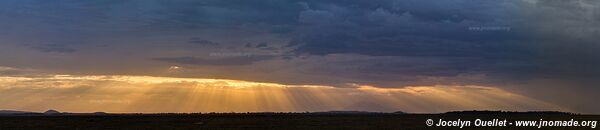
57	48
507	41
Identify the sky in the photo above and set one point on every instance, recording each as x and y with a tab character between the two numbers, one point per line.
299	55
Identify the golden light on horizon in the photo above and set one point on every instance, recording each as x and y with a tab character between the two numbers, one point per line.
122	93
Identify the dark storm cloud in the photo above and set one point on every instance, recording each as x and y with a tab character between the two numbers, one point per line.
497	40
439	19
567	39
447	35
192	14
500	39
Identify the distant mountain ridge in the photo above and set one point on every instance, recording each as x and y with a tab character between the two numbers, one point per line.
13	112
50	112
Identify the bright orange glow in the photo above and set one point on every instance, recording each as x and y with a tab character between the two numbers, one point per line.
118	93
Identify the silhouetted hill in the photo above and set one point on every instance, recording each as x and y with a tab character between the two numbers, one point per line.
100	113
400	112
52	112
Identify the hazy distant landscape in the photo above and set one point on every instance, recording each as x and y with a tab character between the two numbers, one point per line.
266	120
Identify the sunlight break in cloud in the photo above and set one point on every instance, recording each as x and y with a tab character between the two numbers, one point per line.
121	93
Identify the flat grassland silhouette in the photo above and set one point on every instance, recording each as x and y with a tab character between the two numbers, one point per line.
267	120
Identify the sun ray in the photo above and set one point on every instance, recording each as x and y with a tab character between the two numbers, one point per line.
123	93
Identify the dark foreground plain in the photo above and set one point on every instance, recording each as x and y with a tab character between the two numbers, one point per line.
279	121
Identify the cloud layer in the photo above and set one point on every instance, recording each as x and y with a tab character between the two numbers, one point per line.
522	46
118	93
